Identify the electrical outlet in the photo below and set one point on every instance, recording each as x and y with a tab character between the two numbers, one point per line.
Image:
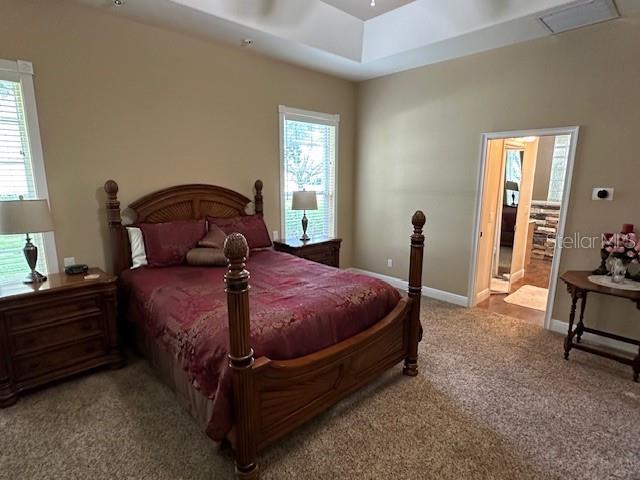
69	261
275	235
602	193
390	262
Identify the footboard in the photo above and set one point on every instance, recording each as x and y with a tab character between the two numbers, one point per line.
288	393
271	398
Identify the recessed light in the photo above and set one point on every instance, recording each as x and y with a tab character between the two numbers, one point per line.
118	3
246	42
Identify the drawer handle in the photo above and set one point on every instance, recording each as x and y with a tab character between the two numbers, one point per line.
87	326
89	349
34	365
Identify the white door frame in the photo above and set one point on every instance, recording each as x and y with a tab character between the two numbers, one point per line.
555	264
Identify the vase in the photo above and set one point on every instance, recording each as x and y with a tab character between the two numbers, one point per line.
618	270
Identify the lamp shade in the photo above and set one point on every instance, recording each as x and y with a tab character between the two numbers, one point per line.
25	216
304	201
510	185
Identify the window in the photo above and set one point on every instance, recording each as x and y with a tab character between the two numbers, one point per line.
558	167
21	166
513	177
308	155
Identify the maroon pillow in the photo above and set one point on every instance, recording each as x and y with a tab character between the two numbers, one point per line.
168	243
251	226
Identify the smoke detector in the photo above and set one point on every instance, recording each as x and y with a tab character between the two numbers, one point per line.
580	14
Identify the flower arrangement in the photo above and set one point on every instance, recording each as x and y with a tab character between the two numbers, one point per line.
618	251
624	246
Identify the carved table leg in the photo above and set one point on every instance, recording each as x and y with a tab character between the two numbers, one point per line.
572	317
580	327
636	367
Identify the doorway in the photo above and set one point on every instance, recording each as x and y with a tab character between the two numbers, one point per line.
524	184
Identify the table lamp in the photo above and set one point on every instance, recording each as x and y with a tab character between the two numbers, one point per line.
26	216
304	201
513	186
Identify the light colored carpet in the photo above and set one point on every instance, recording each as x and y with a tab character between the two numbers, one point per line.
529	296
494	400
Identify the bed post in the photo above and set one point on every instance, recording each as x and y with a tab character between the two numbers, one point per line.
258	198
241	355
415	293
114	222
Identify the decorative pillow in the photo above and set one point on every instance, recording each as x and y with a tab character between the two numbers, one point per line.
206	257
168	243
138	252
214	238
251	226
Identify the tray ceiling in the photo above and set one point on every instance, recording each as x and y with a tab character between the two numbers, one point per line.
363	10
338	37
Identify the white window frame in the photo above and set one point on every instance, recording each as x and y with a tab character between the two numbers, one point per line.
300	115
22	71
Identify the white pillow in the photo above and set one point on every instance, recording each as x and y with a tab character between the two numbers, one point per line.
138	252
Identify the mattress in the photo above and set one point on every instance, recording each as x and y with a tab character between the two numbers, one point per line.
297	307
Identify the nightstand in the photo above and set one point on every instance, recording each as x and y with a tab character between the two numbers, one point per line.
319	249
55	329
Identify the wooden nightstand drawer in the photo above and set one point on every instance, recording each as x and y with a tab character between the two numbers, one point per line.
322	256
51	312
321	249
28	341
38	364
61	327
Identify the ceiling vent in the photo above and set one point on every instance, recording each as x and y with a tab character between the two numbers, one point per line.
580	15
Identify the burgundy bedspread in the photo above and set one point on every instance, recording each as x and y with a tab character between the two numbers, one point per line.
297	307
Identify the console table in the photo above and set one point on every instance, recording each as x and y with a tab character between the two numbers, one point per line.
578	286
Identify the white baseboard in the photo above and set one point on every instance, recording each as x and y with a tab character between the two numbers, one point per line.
517	276
483	295
426	291
562	327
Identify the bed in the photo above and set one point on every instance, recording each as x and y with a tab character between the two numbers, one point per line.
251	367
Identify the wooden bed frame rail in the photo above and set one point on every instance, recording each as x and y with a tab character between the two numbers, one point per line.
272	398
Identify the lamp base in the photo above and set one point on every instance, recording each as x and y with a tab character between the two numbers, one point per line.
305	223
31	254
35	277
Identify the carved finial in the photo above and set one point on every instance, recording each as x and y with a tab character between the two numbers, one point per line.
236	248
111	187
259	206
418	220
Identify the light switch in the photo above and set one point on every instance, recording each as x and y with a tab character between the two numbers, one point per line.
602	193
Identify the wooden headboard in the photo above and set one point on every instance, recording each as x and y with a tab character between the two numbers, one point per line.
182	202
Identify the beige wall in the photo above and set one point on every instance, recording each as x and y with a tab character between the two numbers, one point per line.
543	168
152	108
419	141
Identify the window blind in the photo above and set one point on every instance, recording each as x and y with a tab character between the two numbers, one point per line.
513	173
16	178
309	163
